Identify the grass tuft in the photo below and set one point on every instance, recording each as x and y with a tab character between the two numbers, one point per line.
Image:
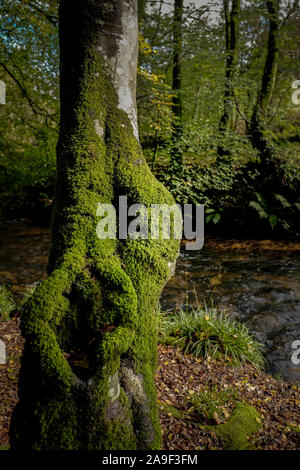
7	303
212	404
210	333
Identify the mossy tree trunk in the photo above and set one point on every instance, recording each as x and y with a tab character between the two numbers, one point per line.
87	372
232	20
259	116
176	153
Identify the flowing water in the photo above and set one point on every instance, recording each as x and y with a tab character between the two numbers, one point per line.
257	282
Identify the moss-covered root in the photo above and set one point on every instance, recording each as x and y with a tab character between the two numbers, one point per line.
243	423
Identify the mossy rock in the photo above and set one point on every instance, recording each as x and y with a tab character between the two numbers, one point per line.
170	411
294	427
244	422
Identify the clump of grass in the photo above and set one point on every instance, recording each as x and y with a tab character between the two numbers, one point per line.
28	293
7	303
210	333
213	404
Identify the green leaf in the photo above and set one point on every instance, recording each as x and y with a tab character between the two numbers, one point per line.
261	212
273	220
216	218
284	202
261	200
297	204
209	218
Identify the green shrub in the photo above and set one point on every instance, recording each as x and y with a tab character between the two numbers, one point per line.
239	197
200	184
277	210
210	333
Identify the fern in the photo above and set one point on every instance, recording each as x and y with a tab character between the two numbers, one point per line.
284	202
259	209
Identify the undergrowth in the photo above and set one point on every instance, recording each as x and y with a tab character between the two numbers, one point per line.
7	303
210	333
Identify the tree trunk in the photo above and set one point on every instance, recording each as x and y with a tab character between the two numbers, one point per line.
141	9
87	373
176	154
232	20
260	112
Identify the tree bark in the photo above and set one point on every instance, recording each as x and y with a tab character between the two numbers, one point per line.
232	19
87	372
176	154
260	111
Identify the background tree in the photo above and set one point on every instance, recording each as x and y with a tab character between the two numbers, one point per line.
176	82
260	111
141	8
29	119
87	375
28	138
232	18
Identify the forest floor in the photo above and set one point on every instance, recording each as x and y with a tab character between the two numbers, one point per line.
179	377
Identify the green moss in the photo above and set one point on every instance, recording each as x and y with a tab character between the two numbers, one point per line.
243	422
171	411
294	427
119	434
98	307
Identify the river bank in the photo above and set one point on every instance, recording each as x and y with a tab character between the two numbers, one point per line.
256	281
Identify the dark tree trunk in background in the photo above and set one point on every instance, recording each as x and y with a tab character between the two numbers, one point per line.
87	373
232	20
141	9
176	154
141	6
260	113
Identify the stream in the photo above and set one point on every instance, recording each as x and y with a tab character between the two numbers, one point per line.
257	282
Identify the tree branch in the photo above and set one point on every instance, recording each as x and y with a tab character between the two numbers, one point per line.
289	13
34	106
52	18
239	110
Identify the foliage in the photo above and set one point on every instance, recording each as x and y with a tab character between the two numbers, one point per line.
210	333
200	184
29	119
277	214
239	197
7	303
212	403
29	291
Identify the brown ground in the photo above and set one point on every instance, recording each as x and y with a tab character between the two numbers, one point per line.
277	402
10	334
